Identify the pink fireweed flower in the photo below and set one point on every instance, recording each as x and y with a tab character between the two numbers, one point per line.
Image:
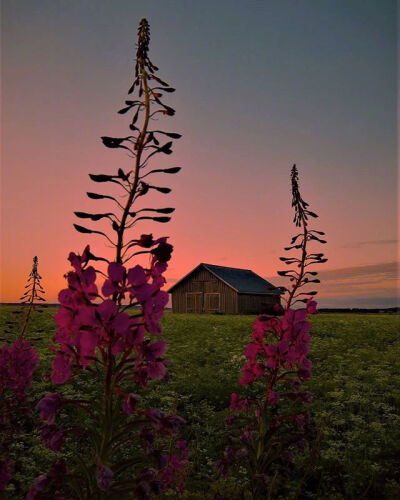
139	288
153	311
251	351
49	406
83	326
239	404
162	422
116	279
53	437
130	403
61	367
223	464
311	306
175	467
251	372
17	364
104	476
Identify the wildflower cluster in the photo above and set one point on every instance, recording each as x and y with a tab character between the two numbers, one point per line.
18	362
95	337
84	326
130	448
268	426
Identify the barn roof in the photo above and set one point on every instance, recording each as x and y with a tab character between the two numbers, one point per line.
241	280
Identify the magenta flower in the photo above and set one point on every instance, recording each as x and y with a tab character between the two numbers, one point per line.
130	403
311	306
104	476
61	367
49	406
17	364
53	437
156	370
251	372
175	465
162	422
153	311
116	279
239	404
38	486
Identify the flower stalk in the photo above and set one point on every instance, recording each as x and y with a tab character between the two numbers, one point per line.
269	428
97	336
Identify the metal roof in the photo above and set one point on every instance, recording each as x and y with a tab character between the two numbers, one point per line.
241	280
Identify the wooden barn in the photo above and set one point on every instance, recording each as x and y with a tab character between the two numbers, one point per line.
218	289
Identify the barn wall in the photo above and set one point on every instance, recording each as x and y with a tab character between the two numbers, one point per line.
202	281
256	304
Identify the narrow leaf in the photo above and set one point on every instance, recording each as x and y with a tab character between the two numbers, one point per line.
161	219
94	217
125	110
82	229
161	189
115	142
102	178
165	89
95	196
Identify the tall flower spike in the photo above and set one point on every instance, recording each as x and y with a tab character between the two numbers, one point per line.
119	350
302	276
273	425
141	145
31	300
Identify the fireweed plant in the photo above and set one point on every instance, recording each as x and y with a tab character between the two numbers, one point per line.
18	361
270	425
31	300
129	450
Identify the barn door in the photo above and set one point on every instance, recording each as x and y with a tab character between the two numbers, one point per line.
194	302
212	302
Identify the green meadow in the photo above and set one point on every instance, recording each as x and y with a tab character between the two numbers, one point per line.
356	405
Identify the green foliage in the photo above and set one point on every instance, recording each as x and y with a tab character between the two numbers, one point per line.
356	387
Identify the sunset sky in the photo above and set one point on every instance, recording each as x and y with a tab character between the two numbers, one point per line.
260	85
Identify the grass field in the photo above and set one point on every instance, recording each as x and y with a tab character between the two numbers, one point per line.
356	387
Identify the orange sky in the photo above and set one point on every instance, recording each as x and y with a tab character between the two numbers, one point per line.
248	108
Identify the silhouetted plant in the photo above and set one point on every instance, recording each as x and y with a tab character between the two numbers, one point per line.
31	300
130	449
33	297
270	425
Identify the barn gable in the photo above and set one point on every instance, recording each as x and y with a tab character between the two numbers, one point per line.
210	288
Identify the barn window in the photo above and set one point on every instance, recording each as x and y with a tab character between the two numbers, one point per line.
212	302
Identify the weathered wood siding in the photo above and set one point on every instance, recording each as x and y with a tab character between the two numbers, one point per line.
203	282
256	304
